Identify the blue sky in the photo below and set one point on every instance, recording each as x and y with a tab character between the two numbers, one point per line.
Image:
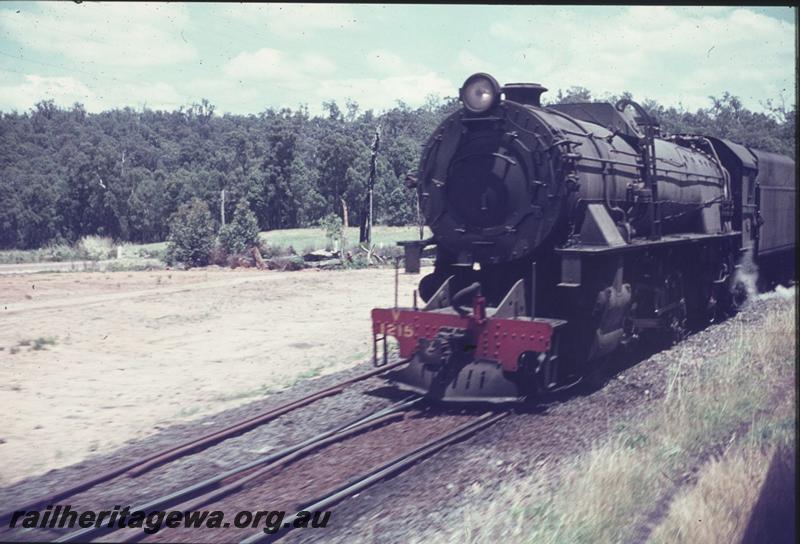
247	57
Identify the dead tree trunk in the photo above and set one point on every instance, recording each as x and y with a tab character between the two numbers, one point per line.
258	258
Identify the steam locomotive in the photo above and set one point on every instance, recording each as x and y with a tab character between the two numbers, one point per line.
566	233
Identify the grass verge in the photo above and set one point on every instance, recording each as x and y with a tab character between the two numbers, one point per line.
720	507
309	239
88	248
703	447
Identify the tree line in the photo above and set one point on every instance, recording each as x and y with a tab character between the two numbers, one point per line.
66	173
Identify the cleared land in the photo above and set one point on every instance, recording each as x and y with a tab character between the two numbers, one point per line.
92	360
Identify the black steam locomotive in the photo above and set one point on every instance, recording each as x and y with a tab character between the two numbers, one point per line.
564	233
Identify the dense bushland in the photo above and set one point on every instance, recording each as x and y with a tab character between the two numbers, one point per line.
66	173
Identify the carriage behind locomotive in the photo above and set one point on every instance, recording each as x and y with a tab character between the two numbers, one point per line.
566	233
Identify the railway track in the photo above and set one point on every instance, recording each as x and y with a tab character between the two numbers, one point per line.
225	483
139	466
235	490
268	481
390	468
426	432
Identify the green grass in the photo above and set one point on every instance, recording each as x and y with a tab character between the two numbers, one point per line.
34	344
268	389
260	391
55	253
134	265
314	238
42	342
89	248
155	250
308	374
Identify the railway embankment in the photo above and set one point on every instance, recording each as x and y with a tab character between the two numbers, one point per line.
691	464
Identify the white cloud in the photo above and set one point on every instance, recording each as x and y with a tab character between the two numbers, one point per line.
502	30
377	93
672	54
382	93
156	96
250	82
65	91
470	63
261	64
386	62
310	76
282	69
291	20
316	64
108	35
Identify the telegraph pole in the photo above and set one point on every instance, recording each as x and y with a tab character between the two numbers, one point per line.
365	236
419	217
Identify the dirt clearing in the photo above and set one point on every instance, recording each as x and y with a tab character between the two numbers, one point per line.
92	360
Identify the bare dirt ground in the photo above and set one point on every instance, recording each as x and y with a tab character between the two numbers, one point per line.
93	360
79	266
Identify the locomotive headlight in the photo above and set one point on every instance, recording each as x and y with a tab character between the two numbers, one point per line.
479	93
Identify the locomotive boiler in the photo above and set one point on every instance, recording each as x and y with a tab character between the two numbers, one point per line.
564	233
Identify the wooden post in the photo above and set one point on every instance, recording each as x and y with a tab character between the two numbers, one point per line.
222	208
396	280
343	236
419	218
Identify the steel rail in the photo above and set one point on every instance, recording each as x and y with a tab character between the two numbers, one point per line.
396	465
193	490
139	466
238	484
134	535
249	424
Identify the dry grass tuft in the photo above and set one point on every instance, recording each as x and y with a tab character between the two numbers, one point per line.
718	508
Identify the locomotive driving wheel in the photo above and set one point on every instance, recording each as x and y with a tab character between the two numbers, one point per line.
711	310
676	327
597	375
738	296
673	303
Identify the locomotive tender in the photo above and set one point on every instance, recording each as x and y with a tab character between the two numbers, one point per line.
565	233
